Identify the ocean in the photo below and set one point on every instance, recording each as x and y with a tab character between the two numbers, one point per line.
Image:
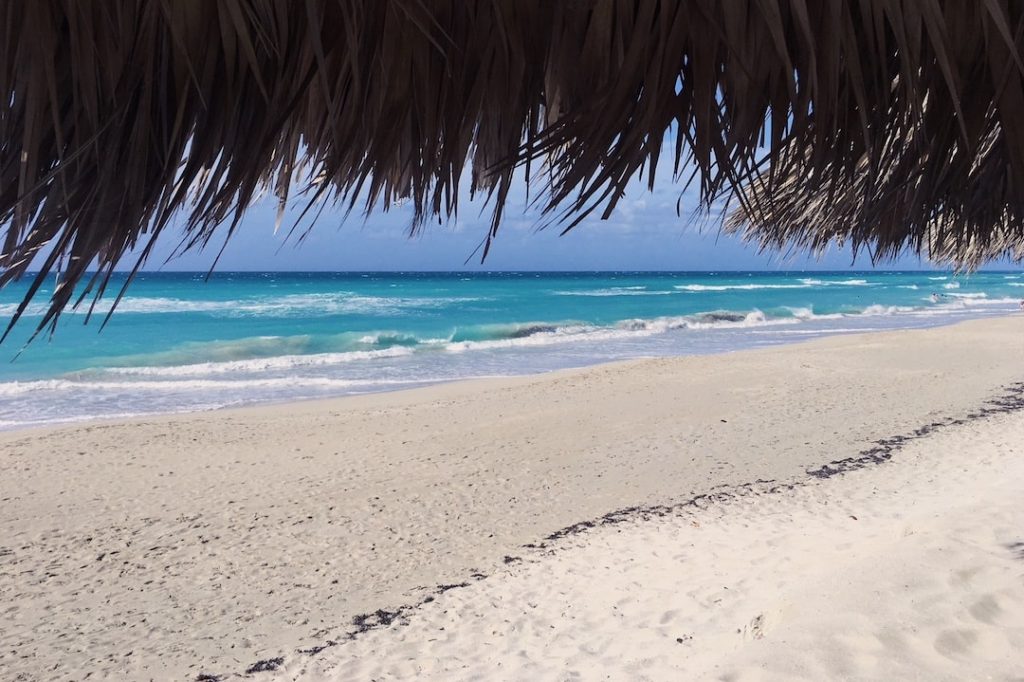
179	342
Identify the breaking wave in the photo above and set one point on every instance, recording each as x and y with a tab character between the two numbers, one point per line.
292	305
18	388
615	291
739	287
273	355
834	283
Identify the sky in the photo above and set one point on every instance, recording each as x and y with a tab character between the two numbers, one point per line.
643	233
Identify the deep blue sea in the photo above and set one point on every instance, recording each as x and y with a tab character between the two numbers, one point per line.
180	342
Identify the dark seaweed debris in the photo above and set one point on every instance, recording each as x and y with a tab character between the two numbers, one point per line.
266	665
441	589
377	619
646	512
314	650
881	452
207	677
382	618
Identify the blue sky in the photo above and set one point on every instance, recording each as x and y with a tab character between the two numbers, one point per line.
640	236
644	233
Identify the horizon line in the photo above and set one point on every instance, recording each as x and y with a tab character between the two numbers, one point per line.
215	273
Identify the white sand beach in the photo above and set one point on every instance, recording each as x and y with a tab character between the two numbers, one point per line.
217	543
909	571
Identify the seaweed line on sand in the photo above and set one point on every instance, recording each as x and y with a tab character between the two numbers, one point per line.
882	451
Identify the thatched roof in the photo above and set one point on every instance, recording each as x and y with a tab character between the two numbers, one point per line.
887	123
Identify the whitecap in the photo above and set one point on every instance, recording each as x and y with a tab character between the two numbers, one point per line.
742	287
275	363
614	291
306	305
17	388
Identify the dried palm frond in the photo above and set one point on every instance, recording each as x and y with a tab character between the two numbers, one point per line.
117	115
951	205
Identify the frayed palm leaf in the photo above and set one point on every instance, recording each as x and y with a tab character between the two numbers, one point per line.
890	123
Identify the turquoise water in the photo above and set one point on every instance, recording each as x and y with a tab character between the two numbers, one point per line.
179	342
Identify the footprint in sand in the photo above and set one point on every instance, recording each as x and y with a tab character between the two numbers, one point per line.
987	610
756	628
669	616
955	642
979	644
998	609
965	577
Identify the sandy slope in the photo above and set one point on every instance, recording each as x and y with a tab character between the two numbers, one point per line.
166	547
908	570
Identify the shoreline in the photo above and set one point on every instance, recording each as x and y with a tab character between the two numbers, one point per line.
272	404
271	528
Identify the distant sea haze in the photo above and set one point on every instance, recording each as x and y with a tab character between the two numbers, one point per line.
180	343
